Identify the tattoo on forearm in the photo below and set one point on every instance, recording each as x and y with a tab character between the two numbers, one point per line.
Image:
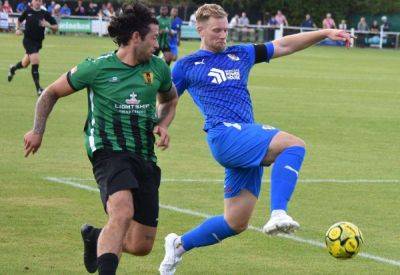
166	106
43	108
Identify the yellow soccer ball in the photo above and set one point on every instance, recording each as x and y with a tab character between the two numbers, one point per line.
343	240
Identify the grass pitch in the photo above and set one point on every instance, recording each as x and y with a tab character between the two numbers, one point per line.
343	103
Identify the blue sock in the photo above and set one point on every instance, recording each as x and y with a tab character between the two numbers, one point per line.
211	231
284	176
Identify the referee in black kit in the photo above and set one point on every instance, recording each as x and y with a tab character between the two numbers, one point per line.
36	20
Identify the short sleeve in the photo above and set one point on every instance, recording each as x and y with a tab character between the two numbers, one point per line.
82	76
22	17
50	18
166	82
178	77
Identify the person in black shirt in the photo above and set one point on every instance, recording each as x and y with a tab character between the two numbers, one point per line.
92	10
36	20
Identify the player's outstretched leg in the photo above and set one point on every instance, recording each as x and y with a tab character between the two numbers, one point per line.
213	230
287	152
89	238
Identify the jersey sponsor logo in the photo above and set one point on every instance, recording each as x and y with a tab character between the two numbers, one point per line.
133	100
148	78
132	106
233	57
220	76
199	62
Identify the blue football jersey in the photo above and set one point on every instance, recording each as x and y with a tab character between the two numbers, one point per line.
176	26
217	82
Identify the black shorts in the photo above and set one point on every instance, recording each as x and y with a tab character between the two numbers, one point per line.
31	46
116	171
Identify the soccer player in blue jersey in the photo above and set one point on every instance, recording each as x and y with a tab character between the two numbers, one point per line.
216	77
175	36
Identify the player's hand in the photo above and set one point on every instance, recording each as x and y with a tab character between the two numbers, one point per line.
163	141
340	35
32	142
18	32
44	24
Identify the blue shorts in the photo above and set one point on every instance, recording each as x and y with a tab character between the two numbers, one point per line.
240	148
174	49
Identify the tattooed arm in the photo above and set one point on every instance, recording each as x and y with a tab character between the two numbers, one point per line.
44	105
166	111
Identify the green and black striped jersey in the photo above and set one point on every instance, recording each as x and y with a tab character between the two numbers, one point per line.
164	24
121	102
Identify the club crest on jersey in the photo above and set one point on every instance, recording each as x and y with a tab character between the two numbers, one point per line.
233	57
148	78
133	100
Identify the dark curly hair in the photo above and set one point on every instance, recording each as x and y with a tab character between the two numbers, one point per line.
135	17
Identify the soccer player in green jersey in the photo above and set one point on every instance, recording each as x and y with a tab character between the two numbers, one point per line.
164	22
122	119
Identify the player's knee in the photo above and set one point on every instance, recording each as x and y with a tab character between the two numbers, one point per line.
142	249
238	225
121	214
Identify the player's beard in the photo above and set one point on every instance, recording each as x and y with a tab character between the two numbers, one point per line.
143	55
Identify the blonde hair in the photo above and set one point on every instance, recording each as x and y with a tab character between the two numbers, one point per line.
206	11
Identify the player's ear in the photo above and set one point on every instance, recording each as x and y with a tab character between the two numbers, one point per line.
136	37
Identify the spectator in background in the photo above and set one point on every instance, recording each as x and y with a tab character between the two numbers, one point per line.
243	24
234	21
103	12
92	9
110	10
80	10
362	26
328	22
7	7
56	13
51	6
192	20
343	25
385	24
1	6
243	20
281	18
65	10
272	22
374	27
308	22
21	7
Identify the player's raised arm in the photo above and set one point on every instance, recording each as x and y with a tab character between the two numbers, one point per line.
167	102
292	43
44	105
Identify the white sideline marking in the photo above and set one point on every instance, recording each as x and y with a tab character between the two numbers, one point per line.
301	180
204	215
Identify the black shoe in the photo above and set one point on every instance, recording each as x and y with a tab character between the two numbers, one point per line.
39	91
90	248
11	73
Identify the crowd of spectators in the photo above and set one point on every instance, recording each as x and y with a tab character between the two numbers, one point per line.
106	10
80	8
